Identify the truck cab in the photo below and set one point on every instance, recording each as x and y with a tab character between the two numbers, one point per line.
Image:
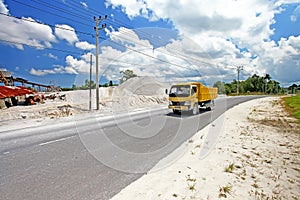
191	96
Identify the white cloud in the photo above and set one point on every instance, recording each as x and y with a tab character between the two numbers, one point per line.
66	32
127	37
84	4
132	8
295	14
55	70
224	30
50	55
84	45
26	31
3	7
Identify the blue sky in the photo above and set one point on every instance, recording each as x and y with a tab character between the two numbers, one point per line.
51	41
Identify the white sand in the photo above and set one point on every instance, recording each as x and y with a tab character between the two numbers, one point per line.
260	142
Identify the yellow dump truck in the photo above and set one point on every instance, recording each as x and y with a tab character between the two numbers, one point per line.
191	96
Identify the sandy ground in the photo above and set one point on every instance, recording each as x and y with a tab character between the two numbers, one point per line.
256	157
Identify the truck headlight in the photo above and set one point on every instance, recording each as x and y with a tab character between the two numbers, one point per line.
187	103
170	103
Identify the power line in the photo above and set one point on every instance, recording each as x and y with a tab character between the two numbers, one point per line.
41	47
41	23
182	56
62	10
161	60
42	10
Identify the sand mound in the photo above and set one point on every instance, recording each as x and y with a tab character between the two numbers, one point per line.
138	92
144	86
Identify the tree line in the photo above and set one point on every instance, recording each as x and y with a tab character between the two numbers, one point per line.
255	84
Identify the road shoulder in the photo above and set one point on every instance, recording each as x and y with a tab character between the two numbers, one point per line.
256	157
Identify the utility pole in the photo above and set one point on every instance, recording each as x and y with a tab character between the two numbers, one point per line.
90	99
239	68
97	47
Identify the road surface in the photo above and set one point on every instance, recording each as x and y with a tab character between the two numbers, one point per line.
96	157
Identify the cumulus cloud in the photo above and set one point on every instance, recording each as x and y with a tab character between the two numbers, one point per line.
56	70
84	45
66	32
230	32
26	31
132	8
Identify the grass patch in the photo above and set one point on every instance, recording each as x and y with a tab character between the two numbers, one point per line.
292	105
223	191
230	168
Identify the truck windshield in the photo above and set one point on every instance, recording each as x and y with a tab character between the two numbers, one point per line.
180	91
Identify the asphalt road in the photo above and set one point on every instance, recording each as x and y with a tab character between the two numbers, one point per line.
95	157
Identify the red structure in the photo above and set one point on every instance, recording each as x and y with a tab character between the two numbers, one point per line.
7	92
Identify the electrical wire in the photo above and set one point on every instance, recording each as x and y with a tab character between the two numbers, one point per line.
41	23
182	56
62	10
41	47
54	14
161	60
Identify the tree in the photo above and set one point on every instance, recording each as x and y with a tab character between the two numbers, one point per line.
127	74
220	86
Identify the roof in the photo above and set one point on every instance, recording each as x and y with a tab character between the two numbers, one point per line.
6	92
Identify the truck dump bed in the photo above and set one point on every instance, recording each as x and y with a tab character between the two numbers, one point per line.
206	93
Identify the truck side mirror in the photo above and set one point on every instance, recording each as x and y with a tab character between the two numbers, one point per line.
166	91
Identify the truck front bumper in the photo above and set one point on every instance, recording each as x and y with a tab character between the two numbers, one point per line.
180	108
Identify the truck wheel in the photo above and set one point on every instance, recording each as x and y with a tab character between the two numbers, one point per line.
177	112
195	110
211	107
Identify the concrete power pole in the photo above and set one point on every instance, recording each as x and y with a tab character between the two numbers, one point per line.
97	48
239	68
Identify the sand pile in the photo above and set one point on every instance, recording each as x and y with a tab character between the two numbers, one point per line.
147	86
139	92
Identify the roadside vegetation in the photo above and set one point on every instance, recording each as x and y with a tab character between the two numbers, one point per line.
292	105
255	85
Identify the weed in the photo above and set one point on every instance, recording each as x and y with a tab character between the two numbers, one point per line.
223	191
192	186
175	195
255	185
230	168
191	141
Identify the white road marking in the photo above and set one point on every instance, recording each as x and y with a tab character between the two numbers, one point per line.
53	141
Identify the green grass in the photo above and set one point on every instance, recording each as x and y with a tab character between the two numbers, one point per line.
292	105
